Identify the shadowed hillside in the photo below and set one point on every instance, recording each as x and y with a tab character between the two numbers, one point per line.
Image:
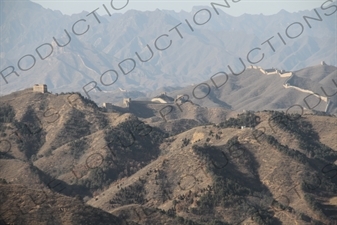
63	160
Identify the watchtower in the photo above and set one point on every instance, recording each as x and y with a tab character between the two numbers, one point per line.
126	102
42	88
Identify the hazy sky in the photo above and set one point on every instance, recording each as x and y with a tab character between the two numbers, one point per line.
266	7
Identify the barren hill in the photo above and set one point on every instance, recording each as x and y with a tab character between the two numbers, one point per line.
23	205
254	90
101	166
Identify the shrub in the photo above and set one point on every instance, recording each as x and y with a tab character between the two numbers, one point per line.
7	114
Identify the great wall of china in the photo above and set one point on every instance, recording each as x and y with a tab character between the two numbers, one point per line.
128	103
283	74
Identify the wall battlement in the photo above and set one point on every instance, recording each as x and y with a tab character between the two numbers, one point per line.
272	71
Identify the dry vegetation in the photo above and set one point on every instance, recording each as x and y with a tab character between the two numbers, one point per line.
63	160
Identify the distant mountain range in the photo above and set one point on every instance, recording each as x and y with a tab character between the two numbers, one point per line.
289	41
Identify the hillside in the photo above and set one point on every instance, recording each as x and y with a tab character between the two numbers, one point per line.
254	90
23	205
102	167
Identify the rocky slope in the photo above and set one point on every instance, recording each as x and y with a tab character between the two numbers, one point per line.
99	167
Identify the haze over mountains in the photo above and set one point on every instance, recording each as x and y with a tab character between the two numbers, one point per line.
201	53
208	161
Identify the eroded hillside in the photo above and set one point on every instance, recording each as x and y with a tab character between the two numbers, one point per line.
101	167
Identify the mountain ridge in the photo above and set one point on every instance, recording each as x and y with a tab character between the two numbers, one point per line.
183	171
221	42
